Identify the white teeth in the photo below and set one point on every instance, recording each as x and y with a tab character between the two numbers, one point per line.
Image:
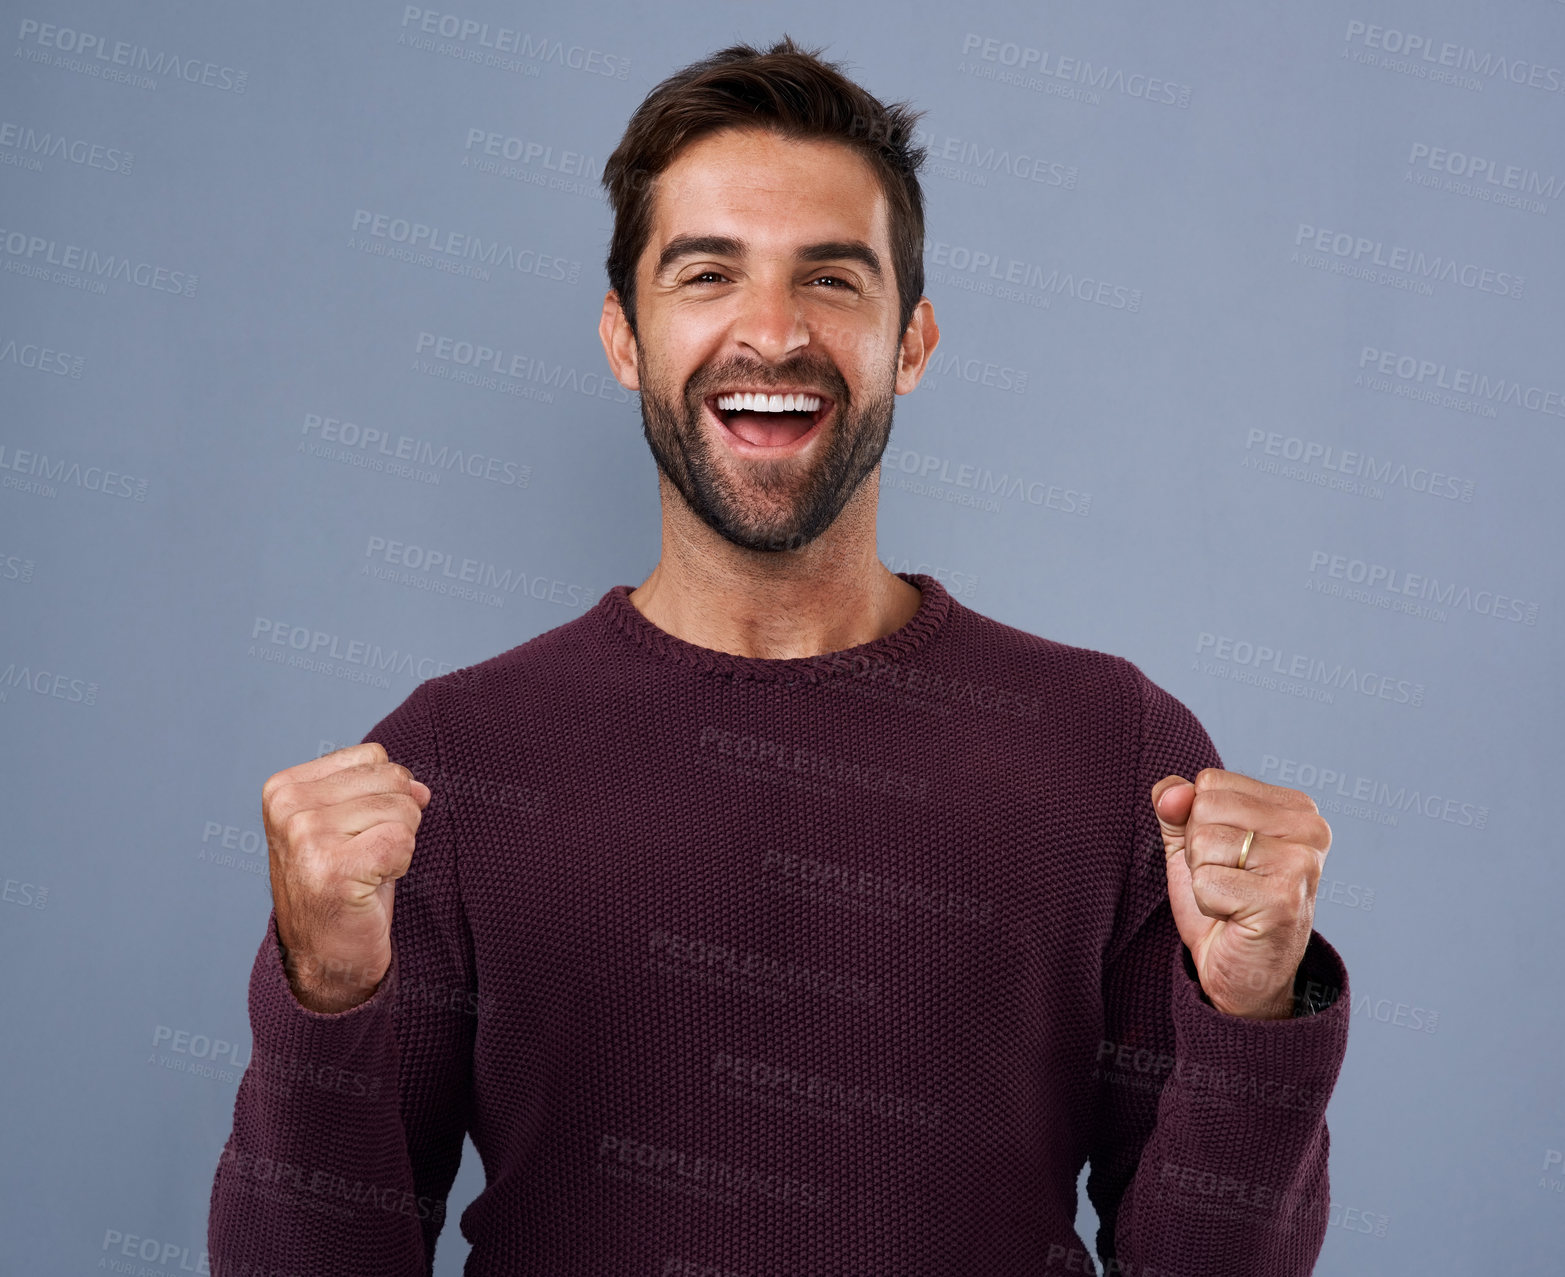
769	403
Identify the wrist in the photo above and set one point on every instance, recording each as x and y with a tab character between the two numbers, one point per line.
327	986
1281	1003
329	1001
1279	1008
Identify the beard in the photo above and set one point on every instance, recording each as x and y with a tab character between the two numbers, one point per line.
749	501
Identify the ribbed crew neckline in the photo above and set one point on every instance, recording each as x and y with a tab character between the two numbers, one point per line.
933	609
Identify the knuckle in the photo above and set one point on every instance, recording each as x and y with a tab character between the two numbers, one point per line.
276	783
274	806
1302	864
395	803
316	885
394	851
296	827
1206	901
394	828
1304	896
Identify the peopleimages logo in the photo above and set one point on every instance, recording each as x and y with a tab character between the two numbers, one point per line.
15	568
441	457
974	371
1402	591
1062	75
741	1077
965	160
470	360
43	682
27	354
1339	789
486	142
534	163
29	145
53	470
304	647
483	39
1296	673
385	235
149	1250
452	570
105	59
1358	254
940	476
1493	182
1347	467
1009	277
1427	58
33	255
1452	386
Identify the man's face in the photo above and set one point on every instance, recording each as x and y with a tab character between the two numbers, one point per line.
759	276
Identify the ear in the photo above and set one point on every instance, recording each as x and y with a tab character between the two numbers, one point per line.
918	344
619	343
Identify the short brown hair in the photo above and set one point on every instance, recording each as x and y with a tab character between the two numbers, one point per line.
792	92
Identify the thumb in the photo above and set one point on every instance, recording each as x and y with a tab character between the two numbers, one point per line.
1172	798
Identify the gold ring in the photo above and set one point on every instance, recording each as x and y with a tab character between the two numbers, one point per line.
1244	851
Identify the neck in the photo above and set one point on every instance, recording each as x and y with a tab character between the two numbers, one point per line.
832	594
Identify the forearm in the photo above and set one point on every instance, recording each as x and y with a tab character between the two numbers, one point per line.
316	1176
1233	1177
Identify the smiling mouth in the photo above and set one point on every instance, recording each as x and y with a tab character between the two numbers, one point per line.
768	427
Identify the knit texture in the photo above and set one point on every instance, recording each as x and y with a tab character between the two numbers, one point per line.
732	967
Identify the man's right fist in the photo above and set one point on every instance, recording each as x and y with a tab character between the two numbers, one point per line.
339	830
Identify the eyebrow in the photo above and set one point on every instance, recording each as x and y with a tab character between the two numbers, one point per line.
851	250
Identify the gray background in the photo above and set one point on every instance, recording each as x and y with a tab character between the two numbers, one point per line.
1205	431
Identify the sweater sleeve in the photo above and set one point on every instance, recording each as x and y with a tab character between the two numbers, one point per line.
348	1127
1210	1150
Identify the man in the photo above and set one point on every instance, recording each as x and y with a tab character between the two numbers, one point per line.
783	915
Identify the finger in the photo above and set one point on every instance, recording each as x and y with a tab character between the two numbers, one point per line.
340	786
380	853
340	822
1171	803
1251	903
1215	779
1229	807
1218	846
314	768
1221	892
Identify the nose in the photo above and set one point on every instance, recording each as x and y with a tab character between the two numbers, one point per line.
771	319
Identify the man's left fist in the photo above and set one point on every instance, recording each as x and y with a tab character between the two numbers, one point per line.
1246	929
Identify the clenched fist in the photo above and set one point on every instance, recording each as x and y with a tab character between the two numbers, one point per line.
339	831
1246	929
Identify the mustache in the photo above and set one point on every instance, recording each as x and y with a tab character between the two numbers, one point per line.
715	377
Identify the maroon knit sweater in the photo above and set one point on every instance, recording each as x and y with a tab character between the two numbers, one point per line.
740	967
